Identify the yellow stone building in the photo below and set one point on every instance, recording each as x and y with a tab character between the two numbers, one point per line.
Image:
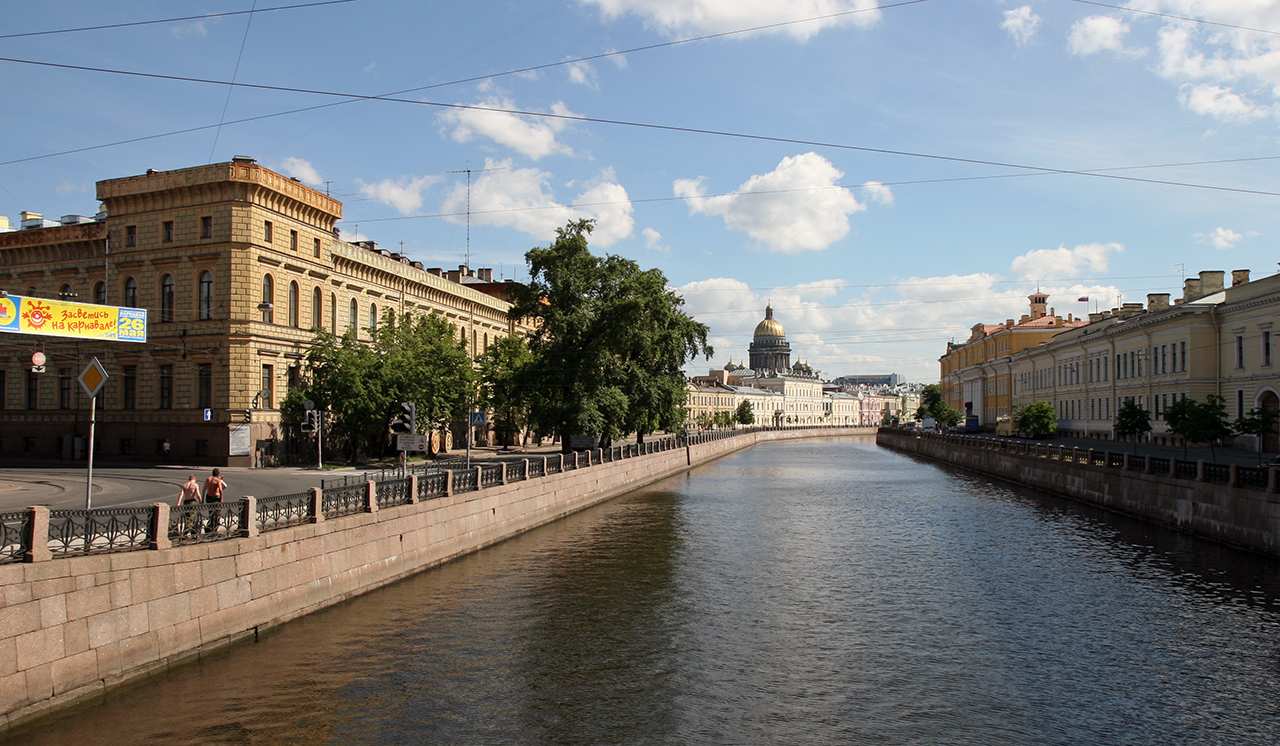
236	265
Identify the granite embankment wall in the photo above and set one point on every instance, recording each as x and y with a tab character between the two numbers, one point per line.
70	628
1207	499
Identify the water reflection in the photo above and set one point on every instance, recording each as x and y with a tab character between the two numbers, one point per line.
810	593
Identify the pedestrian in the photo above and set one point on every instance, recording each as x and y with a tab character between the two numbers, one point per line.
164	450
189	494
214	486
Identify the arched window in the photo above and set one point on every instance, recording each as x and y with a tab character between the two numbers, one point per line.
100	293
317	320
131	293
353	317
373	317
333	312
65	292
166	298
268	299
293	304
206	296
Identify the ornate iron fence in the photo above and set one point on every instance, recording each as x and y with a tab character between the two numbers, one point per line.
1187	470
431	485
1252	477
1115	459
515	471
1137	463
490	476
535	468
555	464
13	536
197	523
392	492
464	480
1220	473
282	511
340	501
74	532
1159	465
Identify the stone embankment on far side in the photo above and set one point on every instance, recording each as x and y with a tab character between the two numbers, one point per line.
1233	504
157	588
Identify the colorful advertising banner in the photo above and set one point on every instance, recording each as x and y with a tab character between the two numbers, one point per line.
56	318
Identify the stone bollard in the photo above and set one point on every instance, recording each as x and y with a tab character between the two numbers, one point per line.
1233	475
1273	479
479	478
317	505
1106	459
371	496
159	528
1200	470
37	535
413	489
575	459
1173	467
524	474
248	516
544	466
1147	467
448	482
502	472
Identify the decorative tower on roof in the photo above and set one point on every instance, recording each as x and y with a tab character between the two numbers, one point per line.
769	348
1039	302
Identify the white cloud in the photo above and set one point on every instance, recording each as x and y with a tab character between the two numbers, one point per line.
1063	262
302	170
369	67
530	136
70	187
521	198
584	73
1021	24
878	192
195	28
1219	103
1097	34
653	240
404	194
1224	238
689	17
796	207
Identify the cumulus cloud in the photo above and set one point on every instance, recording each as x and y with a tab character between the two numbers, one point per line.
530	136
653	240
1098	34
1222	238
688	17
584	73
194	28
1063	262
301	170
404	194
1021	24
521	198
1219	103
796	207
878	192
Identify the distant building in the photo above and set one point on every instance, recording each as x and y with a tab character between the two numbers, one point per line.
883	379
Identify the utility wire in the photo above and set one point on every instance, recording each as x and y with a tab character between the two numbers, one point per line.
650	126
170	20
225	104
1177	18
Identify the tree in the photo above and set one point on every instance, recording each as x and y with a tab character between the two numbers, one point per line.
1198	422
610	342
500	389
1037	418
1258	422
931	402
744	414
948	416
1132	421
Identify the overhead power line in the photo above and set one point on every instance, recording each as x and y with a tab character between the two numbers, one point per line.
1178	18
171	20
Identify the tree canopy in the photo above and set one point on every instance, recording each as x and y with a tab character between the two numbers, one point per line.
1038	418
744	414
500	388
1199	422
610	344
1257	422
1132	421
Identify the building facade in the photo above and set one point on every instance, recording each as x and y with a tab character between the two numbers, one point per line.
238	267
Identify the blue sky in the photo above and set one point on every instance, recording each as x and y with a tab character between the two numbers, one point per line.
872	260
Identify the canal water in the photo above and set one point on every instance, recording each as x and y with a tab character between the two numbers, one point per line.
808	592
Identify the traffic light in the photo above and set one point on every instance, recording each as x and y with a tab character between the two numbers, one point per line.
309	421
406	419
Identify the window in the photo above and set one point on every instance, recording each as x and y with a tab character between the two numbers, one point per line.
166	298
202	448
292	377
204	385
353	315
1239	351
266	231
269	299
317	306
206	296
126	446
1266	347
1173	357
33	390
293	240
100	293
293	304
130	236
1239	403
66	293
373	318
206	226
166	387
266	392
1164	359
1184	357
131	293
166	231
333	313
316	247
64	388
129	387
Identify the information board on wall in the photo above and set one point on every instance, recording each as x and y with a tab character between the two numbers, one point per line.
58	318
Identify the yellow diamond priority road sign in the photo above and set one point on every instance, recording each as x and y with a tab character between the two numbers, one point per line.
93	378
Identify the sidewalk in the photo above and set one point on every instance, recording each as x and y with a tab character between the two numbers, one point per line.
1223	455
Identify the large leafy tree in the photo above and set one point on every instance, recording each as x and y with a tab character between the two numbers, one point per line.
610	342
1257	422
1038	418
1132	421
1200	422
744	414
501	390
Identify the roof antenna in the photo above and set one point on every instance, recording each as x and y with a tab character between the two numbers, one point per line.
468	172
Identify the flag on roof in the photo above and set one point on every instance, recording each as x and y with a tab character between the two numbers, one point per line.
1082	299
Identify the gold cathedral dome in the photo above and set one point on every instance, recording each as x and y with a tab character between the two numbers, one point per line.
769	327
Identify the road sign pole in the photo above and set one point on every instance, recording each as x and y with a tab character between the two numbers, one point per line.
88	490
320	439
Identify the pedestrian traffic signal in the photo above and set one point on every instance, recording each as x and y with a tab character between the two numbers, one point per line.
406	419
248	415
309	421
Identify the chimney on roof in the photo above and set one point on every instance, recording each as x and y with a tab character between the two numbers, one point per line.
436	271
1008	322
1191	290
1129	310
1096	317
1157	302
1239	277
27	215
1211	281
486	274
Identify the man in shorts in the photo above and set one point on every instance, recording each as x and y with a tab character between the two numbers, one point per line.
214	486
188	494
